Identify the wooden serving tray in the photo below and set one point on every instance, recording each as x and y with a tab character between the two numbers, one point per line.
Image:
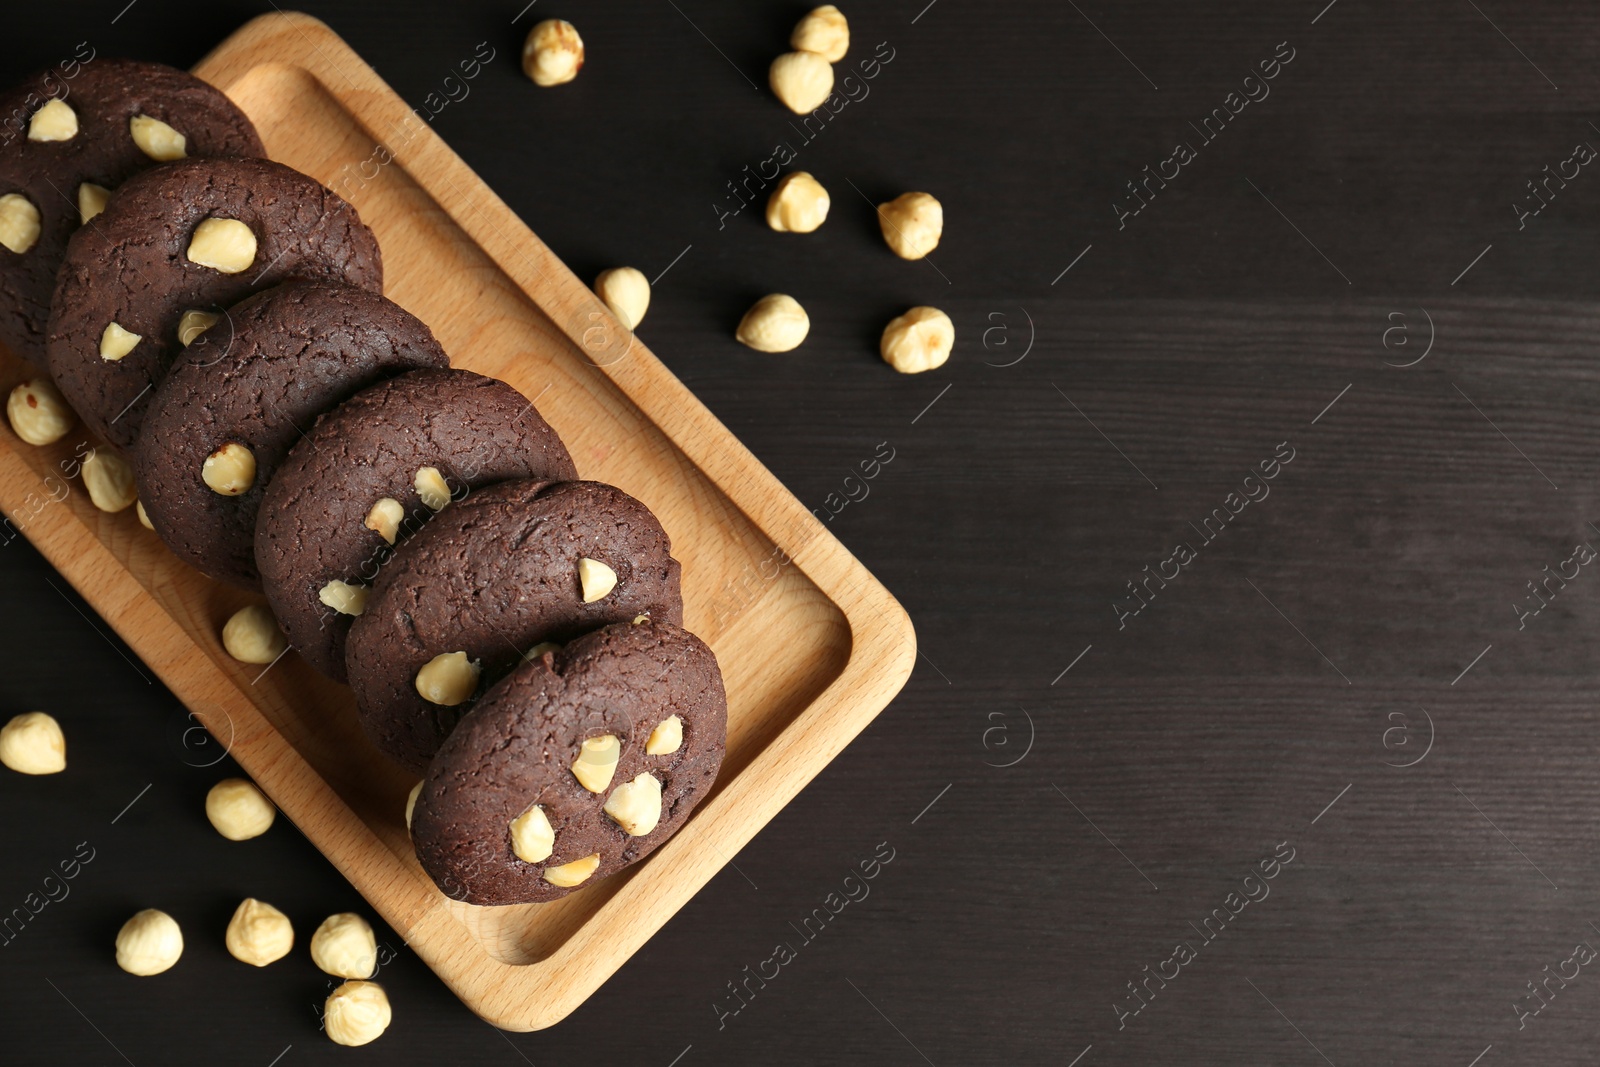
812	646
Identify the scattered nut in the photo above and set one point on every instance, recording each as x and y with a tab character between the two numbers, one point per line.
56	121
411	802
641	618
345	947
553	53
919	340
596	579
344	598
626	292
227	245
666	738
532	836
575	873
823	31
448	679
597	762
356	1013
636	806
149	943
776	323
32	743
384	518
432	488
144	516
239	810
251	635
109	479
19	222
799	204
912	224
39	414
230	470
156	139
193	324
116	342
258	933
802	80
540	649
91	200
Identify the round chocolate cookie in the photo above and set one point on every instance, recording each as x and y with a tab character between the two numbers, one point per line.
244	393
482	584
575	765
449	432
67	135
197	235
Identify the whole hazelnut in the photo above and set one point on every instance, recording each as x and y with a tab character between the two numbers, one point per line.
258	933
356	1013
823	31
39	414
799	204
626	292
553	53
32	743
149	943
251	635
912	224
776	323
919	340
802	80
109	479
239	810
345	947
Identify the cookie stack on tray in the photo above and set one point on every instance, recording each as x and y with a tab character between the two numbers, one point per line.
512	634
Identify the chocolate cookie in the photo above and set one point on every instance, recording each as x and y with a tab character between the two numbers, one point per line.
244	393
196	235
485	581
451	432
575	765
67	128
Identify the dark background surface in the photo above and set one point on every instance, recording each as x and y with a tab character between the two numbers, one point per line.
1080	426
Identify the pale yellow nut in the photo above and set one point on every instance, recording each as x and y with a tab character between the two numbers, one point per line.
626	292
149	943
32	743
251	635
258	933
345	946
666	738
238	810
116	342
448	679
636	806
230	470
540	649
109	479
91	200
912	224
799	204
595	579
777	323
226	245
432	488
344	598
532	836
193	324
553	53
156	139
641	619
356	1013
384	518
802	80
19	223
575	873
411	801
824	31
597	762
919	340
144	516
38	413
56	121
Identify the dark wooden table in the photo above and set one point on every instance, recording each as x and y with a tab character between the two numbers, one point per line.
1328	795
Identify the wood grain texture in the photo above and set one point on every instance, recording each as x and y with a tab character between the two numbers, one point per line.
812	647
